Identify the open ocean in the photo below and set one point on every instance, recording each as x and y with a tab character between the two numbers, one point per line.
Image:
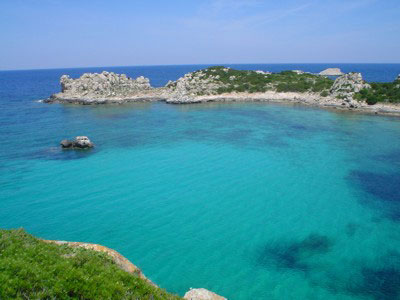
249	200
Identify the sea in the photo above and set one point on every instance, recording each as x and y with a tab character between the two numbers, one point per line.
248	200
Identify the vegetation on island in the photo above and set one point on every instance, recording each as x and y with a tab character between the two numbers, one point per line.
258	81
380	92
33	269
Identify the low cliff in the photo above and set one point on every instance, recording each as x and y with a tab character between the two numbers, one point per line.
36	269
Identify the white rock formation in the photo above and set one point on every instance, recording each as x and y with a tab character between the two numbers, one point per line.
202	294
331	72
106	85
348	84
263	72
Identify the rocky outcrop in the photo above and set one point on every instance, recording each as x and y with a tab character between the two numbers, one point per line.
346	86
127	266
101	88
118	259
331	72
80	142
202	294
187	88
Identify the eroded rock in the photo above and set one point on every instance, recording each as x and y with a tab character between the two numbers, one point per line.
103	87
347	85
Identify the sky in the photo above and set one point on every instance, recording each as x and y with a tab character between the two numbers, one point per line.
39	34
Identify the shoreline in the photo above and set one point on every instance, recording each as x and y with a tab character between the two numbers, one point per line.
126	265
312	100
220	84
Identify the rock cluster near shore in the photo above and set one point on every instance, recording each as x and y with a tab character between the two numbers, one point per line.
106	84
94	88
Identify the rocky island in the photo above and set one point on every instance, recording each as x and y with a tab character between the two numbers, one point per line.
218	84
331	72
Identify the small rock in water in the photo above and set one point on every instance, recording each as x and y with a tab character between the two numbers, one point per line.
331	72
80	142
202	294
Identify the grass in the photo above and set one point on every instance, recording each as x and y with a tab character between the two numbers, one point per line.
381	92
33	269
250	81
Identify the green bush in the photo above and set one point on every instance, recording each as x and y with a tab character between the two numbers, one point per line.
380	92
33	269
371	100
252	82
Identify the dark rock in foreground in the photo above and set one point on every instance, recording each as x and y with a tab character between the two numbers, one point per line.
80	142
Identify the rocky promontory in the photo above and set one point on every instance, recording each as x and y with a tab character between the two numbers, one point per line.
124	264
106	87
223	84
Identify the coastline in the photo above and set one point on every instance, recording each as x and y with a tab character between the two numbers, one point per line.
126	265
306	99
220	84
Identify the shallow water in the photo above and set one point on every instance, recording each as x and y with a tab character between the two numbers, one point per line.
249	200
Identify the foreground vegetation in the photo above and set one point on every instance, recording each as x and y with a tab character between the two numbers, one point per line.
253	81
33	269
381	92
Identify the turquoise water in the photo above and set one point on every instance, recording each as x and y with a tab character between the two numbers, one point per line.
251	201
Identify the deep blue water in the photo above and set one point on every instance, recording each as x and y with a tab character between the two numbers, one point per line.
250	200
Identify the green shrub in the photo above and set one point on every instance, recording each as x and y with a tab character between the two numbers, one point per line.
380	92
371	100
324	94
252	82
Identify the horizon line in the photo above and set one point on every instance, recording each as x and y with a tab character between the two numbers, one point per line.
204	64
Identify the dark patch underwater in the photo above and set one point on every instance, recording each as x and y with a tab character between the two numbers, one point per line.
294	255
384	189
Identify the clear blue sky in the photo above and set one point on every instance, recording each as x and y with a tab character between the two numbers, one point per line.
80	33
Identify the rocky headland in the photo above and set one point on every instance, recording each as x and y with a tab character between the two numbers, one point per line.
348	91
124	264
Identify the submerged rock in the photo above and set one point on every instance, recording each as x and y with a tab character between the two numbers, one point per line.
331	72
202	294
80	142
